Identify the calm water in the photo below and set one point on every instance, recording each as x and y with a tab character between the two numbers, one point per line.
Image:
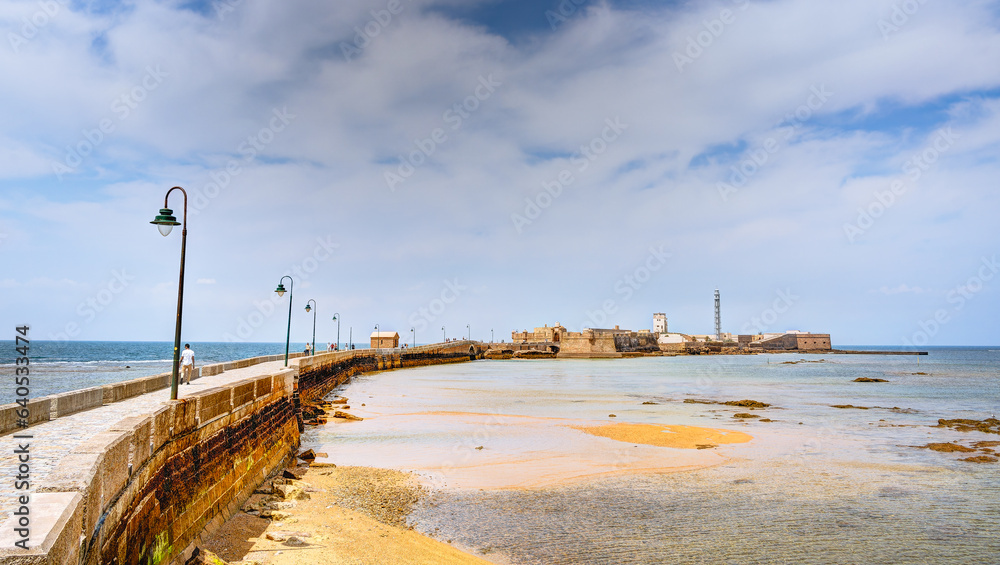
816	485
60	366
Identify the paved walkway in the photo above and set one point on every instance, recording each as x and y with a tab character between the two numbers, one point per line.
55	438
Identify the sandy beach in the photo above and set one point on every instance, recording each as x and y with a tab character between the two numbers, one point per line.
334	515
352	514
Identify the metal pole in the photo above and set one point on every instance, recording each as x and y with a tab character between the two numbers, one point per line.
180	295
444	334
291	293
350	336
470	331
315	311
336	316
413	331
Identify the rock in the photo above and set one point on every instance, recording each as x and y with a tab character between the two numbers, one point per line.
278	515
534	354
290	492
919	373
698	401
744	415
322	465
705	446
294	541
499	353
612	416
850	406
346	416
869	380
340	400
308	455
765	420
204	557
987	426
985	444
650	403
747	403
980	459
479	448
947	447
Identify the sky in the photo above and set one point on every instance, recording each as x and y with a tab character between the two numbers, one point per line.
485	166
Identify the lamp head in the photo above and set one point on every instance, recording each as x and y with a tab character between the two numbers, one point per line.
308	308
280	290
165	221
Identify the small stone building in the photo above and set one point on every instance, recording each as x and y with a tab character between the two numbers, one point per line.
384	340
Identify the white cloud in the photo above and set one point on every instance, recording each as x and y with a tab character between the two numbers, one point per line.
323	174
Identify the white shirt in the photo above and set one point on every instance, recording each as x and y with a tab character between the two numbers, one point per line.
187	357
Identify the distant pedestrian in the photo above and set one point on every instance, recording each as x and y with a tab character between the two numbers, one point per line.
308	348
187	363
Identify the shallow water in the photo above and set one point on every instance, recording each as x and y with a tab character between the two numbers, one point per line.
816	485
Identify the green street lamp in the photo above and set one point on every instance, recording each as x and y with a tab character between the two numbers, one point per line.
378	338
314	322
470	331
336	316
444	334
281	292
414	332
165	222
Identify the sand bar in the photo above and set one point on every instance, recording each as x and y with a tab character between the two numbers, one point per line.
682	437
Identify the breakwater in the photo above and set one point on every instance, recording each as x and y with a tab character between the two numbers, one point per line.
145	488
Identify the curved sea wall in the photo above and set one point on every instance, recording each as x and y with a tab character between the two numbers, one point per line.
146	489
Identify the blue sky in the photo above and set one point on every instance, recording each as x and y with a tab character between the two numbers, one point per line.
502	164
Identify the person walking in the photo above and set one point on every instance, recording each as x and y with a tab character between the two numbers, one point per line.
187	363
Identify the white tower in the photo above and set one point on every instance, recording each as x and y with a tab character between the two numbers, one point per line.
659	323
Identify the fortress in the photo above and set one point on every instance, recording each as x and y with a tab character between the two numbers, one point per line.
591	342
616	342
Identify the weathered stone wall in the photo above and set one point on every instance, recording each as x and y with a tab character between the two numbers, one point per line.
588	343
64	404
143	491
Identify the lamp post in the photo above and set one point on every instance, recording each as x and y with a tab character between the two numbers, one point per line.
165	222
378	338
491	335
314	322
336	316
350	337
470	332
414	332
444	334
281	292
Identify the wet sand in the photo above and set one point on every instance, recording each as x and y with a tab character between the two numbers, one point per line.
353	515
681	437
468	450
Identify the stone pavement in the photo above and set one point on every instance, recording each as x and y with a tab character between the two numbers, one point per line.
55	438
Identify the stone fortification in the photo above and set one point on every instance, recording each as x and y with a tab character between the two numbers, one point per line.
145	489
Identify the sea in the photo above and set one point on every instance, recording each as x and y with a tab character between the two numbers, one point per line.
511	477
62	366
